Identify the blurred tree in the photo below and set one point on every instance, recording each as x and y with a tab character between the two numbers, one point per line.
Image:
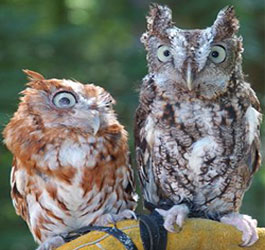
98	41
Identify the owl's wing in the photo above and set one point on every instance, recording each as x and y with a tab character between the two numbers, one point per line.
140	144
144	160
254	158
252	97
253	118
142	150
19	181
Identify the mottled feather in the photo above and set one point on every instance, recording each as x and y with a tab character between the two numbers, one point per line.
71	160
197	124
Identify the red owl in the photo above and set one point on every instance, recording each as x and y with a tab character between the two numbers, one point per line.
71	167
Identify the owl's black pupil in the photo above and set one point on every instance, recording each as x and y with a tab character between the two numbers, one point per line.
166	53
215	54
64	101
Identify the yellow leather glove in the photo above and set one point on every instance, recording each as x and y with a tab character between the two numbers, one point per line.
197	234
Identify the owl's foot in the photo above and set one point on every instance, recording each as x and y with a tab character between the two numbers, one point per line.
51	243
175	215
113	218
245	224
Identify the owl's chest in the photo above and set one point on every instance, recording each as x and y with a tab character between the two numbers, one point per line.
195	139
191	116
77	172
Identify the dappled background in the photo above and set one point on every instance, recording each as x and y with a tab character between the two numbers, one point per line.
98	41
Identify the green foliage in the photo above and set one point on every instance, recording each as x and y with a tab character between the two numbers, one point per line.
98	41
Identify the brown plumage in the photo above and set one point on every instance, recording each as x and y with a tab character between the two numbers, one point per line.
197	124
71	166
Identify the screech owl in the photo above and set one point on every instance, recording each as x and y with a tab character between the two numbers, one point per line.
197	124
71	166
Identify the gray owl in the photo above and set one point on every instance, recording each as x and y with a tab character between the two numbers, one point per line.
197	124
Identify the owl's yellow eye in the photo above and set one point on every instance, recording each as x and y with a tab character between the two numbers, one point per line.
217	54
164	53
64	99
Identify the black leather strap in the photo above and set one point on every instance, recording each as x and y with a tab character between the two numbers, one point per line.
118	234
153	233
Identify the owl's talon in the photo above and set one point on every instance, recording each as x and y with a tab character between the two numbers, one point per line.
51	243
174	216
114	218
125	214
245	224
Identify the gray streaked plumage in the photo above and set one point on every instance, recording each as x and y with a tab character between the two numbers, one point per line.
197	124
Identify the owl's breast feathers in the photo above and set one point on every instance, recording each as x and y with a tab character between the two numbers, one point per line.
203	151
62	180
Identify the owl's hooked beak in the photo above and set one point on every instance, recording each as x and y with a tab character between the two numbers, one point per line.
95	123
189	77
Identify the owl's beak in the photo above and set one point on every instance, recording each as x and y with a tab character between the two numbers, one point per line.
189	77
95	122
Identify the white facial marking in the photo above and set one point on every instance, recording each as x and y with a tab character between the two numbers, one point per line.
179	45
77	87
188	77
205	48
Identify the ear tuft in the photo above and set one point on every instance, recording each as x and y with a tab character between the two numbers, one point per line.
159	19
32	75
226	23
